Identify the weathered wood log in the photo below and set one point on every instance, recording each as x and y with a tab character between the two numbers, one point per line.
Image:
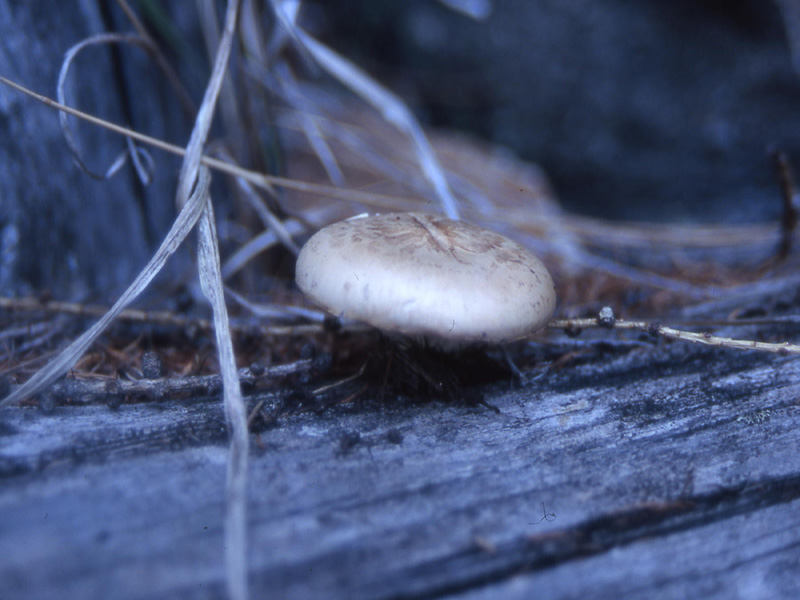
666	470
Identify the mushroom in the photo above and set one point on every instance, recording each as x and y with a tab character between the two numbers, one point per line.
444	282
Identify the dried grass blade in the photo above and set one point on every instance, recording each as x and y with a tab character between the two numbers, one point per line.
281	312
268	218
194	149
142	161
211	281
227	103
391	107
257	245
69	57
393	110
63	362
235	413
260	180
309	124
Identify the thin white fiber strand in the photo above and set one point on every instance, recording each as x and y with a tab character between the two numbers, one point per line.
391	107
69	57
235	521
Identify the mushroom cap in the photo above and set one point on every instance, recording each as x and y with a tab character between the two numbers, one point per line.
426	276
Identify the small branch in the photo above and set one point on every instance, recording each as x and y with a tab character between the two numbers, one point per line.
793	320
163	317
88	391
606	320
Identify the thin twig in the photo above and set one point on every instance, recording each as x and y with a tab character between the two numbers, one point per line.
170	319
87	391
656	329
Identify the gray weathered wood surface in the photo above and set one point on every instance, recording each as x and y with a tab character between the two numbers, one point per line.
665	472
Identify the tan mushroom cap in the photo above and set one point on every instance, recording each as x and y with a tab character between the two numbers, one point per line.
429	277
